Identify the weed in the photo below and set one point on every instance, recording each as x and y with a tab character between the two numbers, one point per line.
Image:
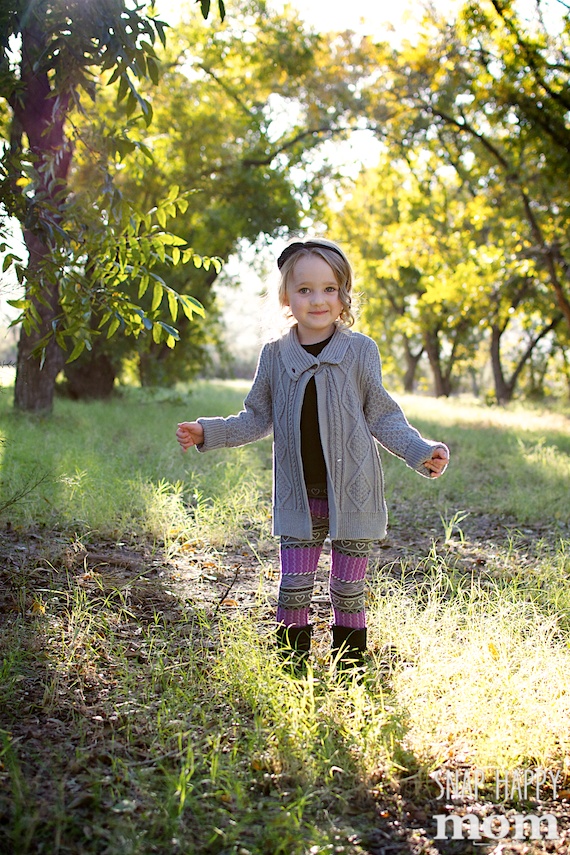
452	525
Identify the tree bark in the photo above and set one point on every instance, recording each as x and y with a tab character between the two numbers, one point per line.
503	390
35	376
412	360
441	382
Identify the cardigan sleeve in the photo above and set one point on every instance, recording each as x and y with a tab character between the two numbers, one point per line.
255	420
387	422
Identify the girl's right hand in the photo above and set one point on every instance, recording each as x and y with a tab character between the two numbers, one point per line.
189	434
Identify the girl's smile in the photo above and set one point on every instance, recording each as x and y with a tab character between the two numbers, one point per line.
313	297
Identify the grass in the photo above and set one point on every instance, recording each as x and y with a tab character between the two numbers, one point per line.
485	679
123	455
137	716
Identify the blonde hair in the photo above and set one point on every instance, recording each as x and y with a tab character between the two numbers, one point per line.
337	261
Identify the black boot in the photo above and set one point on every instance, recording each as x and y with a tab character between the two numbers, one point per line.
294	643
348	648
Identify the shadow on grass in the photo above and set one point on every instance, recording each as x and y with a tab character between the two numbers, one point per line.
131	722
121	731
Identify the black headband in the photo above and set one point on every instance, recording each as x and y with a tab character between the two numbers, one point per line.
298	245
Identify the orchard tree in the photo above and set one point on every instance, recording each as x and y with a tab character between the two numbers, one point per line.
486	95
489	95
407	221
52	54
441	274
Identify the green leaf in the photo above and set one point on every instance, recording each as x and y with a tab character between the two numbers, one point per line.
77	351
116	74
171	331
123	87
32	308
9	259
172	304
153	70
113	327
156	297
169	239
173	193
104	319
160	29
149	50
205	7
146	109
131	104
191	306
123	146
143	285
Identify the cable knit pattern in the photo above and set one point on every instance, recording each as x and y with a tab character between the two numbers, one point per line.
354	411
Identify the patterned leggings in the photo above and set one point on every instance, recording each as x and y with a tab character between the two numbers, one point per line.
299	560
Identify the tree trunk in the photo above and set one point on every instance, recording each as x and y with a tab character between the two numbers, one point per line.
566	368
36	373
441	383
92	376
503	390
40	115
412	360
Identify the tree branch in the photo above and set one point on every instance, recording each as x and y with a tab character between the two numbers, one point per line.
532	344
265	161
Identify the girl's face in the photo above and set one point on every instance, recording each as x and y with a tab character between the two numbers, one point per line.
313	297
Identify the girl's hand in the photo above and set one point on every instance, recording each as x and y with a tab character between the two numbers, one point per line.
437	462
189	434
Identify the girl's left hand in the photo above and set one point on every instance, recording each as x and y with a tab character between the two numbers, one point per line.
437	462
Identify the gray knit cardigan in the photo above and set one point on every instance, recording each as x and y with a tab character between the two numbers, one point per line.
354	409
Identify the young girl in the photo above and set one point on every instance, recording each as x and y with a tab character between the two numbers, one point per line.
319	389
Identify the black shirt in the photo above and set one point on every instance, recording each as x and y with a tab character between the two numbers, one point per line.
314	466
